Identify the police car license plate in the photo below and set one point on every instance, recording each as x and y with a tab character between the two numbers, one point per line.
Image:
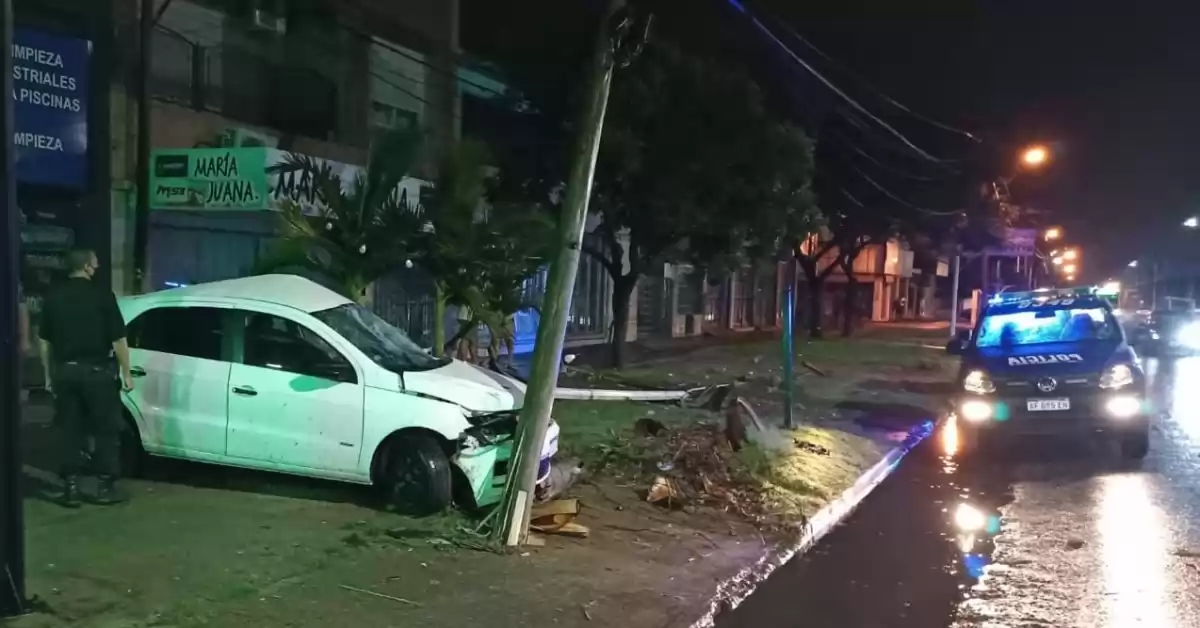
1048	405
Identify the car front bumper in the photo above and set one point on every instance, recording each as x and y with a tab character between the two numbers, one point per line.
1116	412
486	466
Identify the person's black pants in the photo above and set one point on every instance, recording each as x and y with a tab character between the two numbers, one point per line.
86	404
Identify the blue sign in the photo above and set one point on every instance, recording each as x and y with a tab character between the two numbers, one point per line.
50	96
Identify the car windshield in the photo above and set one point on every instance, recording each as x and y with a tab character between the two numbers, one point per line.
386	345
1046	325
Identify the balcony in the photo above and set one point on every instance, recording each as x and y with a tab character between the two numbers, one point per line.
244	86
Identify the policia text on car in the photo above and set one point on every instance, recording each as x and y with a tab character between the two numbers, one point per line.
82	332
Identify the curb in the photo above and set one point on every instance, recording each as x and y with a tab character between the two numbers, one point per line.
733	591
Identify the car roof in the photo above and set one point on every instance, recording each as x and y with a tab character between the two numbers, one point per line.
287	290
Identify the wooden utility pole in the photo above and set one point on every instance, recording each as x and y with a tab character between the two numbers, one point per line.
513	524
12	523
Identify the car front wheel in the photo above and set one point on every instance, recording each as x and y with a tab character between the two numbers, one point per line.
416	476
1136	445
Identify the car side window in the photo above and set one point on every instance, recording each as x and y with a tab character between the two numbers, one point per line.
195	332
280	344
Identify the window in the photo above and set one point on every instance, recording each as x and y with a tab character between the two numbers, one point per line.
188	331
1023	326
279	344
397	86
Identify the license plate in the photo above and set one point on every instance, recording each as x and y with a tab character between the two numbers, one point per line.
1048	405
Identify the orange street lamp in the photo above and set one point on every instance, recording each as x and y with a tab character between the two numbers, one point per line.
1070	254
1070	269
1058	261
1035	156
1053	233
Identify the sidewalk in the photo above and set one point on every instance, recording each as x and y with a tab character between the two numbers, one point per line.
205	546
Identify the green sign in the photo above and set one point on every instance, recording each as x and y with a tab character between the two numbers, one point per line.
209	178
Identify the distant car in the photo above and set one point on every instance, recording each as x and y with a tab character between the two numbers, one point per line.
278	373
1050	363
1169	333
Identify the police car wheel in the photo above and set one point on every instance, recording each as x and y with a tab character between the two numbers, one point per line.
416	475
1135	446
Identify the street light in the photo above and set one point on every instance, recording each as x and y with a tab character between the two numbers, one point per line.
1133	264
1192	223
1053	233
1070	254
1035	156
1058	261
1070	269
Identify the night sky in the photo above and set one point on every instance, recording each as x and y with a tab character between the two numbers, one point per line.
1113	86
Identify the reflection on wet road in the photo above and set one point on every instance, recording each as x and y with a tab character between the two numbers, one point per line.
1060	534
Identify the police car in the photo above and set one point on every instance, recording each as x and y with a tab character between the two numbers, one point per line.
1050	362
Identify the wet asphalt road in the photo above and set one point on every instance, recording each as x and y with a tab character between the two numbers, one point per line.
1070	536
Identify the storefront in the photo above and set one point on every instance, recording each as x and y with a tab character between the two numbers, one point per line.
216	211
62	186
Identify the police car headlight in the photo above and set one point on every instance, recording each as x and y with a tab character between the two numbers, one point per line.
1189	336
978	382
976	411
1117	376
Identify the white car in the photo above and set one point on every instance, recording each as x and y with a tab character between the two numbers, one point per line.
278	373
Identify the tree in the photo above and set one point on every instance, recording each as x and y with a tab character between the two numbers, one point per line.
687	170
478	256
361	229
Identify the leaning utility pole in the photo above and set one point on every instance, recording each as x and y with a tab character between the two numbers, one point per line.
512	525
12	523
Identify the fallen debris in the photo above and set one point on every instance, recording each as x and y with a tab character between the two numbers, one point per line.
558	517
812	448
381	595
663	490
814	368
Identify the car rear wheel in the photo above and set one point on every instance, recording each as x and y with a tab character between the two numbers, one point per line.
416	477
1136	445
132	456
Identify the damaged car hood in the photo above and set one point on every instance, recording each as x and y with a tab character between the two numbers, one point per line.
472	387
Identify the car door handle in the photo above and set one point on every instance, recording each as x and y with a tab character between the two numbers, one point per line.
245	391
137	371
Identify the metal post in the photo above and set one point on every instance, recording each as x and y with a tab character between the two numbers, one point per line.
954	304
141	217
984	262
12	524
513	522
789	346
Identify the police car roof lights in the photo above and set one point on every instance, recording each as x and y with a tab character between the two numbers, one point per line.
1043	294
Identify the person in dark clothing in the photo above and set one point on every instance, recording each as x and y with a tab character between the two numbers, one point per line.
81	330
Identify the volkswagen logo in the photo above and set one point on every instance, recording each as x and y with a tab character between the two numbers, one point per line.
1047	384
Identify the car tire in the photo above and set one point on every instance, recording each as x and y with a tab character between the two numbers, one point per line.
416	475
1136	445
131	454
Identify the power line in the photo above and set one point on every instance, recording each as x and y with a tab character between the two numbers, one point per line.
871	88
834	88
875	184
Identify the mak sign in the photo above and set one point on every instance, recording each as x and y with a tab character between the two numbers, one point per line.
50	96
254	178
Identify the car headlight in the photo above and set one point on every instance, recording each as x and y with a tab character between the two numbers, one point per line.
978	382
1124	406
1189	336
975	410
1117	376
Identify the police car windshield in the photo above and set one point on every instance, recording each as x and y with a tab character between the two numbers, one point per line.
1017	326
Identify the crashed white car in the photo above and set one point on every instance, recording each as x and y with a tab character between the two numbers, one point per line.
278	373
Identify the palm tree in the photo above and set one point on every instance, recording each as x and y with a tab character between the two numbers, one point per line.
362	229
